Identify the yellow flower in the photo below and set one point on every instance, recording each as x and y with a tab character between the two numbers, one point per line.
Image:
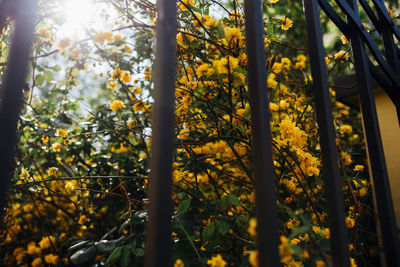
277	68
273	1
125	76
232	34
116	74
345	129
47	241
285	63
24	174
56	147
217	261
139	106
252	227
320	263
64	43
344	39
202	69
61	133
179	263
52	171
273	107
82	219
51	259
390	12
358	168
286	23
350	222
45	139
33	249
117	105
112	85
341	55
37	262
188	3
253	258
352	263
102	36
346	158
222	64
127	49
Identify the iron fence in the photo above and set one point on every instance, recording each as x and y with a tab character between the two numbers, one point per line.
158	243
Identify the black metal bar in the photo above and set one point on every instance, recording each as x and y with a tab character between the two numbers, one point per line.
343	27
267	217
336	215
158	242
12	90
382	11
383	194
353	17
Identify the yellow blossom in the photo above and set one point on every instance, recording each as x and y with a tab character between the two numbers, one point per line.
37	262
46	242
286	23
56	147
179	263
232	34
51	259
103	36
350	222
344	39
32	249
320	263
82	219
117	105
253	258
125	76
346	158
52	171
217	261
345	129
24	174
61	132
252	227
358	168
112	84
341	55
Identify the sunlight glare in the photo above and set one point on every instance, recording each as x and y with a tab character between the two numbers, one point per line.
78	14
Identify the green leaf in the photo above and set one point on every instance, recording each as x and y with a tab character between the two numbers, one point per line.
209	232
184	205
234	200
225	202
125	258
48	75
223	227
83	255
75	72
114	256
138	252
39	80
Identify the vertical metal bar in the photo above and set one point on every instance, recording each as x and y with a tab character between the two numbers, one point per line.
158	243
12	90
336	218
383	194
268	236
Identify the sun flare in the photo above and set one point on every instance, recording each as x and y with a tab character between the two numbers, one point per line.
78	15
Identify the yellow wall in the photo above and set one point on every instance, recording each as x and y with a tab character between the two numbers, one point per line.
390	132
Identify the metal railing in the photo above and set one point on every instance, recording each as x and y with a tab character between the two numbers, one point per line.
158	243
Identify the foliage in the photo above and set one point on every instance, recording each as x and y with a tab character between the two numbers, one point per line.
80	187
